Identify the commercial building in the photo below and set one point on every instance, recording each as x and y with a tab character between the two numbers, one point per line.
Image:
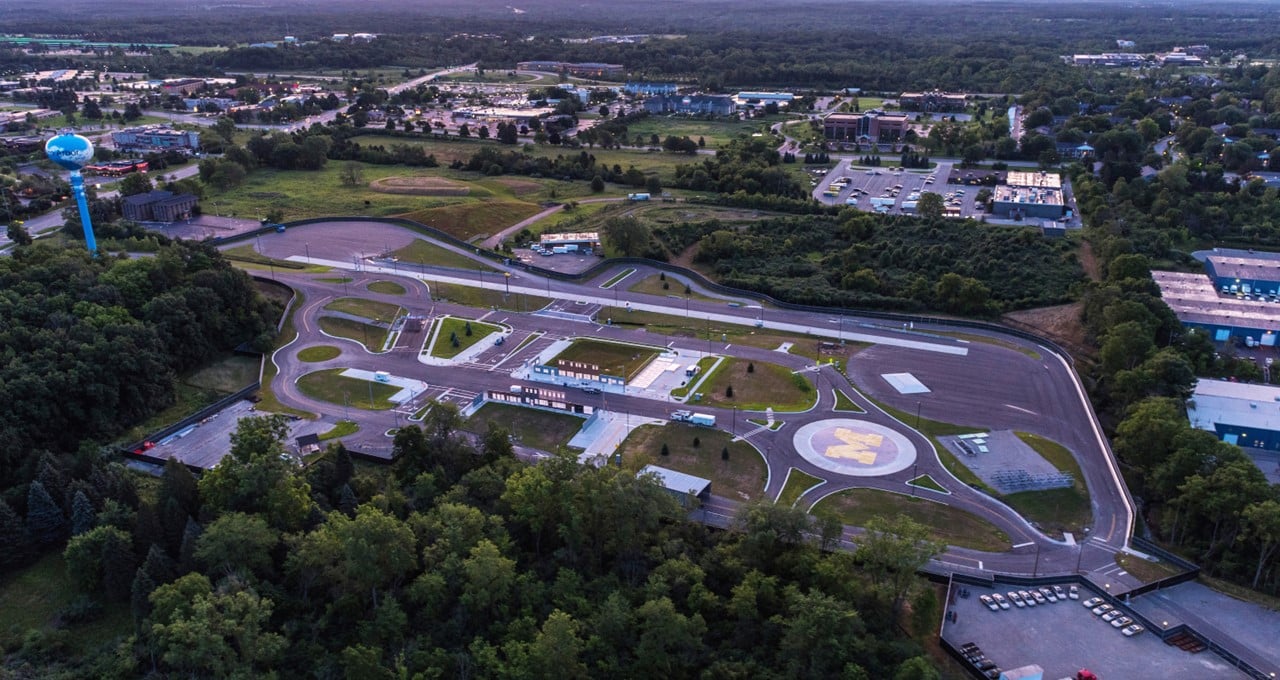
116	168
1238	413
679	484
871	126
705	104
1238	271
1108	59
182	86
650	89
1029	194
1198	304
933	100
584	241
754	99
155	138
158	206
582	70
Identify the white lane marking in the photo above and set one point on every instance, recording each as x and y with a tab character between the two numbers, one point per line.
1023	545
1019	408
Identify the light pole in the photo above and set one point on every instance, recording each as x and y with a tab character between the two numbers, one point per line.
1079	556
507	277
370	394
915	475
307	247
917	415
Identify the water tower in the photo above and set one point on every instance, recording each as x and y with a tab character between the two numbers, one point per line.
72	152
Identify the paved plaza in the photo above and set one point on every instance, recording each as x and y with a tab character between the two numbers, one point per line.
854	447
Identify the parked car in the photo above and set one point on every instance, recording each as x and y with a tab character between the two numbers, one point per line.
1004	604
591	389
1092	602
1028	598
1017	599
1048	594
1102	609
1039	596
1057	590
1073	592
1121	622
1133	630
1112	615
990	602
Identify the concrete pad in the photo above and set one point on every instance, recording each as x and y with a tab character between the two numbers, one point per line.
409	388
854	447
905	383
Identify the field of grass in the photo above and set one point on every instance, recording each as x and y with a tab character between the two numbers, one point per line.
476	218
31	598
386	288
1055	510
480	298
613	358
318	353
226	375
368	309
450	325
715	133
768	385
287	335
704	365
653	285
844	403
927	482
798	482
372	337
330	386
542	430
1148	571
343	428
247	253
742	477
425	252
955	527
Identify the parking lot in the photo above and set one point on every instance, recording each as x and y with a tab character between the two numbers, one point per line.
887	188
1064	637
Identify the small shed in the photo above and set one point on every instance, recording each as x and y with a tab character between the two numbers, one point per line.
307	444
679	484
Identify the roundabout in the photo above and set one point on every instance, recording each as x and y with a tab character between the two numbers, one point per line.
852	447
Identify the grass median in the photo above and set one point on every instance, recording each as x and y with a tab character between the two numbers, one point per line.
535	428
755	386
331	386
955	527
457	335
741	477
798	482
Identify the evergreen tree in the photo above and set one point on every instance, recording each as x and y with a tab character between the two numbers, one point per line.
597	184
147	530
665	451
697	442
140	597
187	551
728	392
83	516
178	483
45	520
347	501
159	566
467	329
14	538
118	566
724	453
751	367
54	482
343	466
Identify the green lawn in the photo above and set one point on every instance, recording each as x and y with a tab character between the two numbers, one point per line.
318	353
372	337
451	325
715	133
857	506
475	219
704	365
542	430
844	403
329	386
249	254
1055	510
653	285
31	598
613	358
483	298
342	429
369	309
742	477
287	335
798	482
927	482
386	288
757	386
424	252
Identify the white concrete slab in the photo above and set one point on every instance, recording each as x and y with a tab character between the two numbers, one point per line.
905	383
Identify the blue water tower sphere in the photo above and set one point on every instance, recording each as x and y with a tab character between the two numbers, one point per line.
72	152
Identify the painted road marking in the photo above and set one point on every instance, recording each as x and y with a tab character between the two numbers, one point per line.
1023	545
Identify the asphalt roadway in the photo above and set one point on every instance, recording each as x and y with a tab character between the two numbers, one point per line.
1011	385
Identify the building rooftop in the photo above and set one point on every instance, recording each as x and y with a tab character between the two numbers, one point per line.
1039	180
1251	267
1232	403
676	481
1193	298
574	237
1026	195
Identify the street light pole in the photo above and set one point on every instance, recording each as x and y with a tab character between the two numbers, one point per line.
507	275
307	246
917	415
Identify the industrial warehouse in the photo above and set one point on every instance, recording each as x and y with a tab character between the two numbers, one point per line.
1238	298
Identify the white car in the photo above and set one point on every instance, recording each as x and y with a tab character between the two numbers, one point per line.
1039	597
1112	615
1132	630
1004	604
1092	602
1102	609
1057	590
1121	622
1073	592
1048	594
1017	599
1028	598
990	602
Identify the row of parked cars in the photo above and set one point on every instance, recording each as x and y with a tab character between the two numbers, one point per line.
976	658
1113	616
1029	598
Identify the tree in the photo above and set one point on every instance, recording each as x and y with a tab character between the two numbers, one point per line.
1262	526
627	235
45	522
202	632
665	450
724	453
556	650
892	551
18	234
467	329
101	559
83	516
697	442
597	184
930	205
728	392
135	183
351	174
237	543
751	367
14	536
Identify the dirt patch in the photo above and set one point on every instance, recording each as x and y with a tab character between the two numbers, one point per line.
1060	323
419	186
519	187
1089	262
